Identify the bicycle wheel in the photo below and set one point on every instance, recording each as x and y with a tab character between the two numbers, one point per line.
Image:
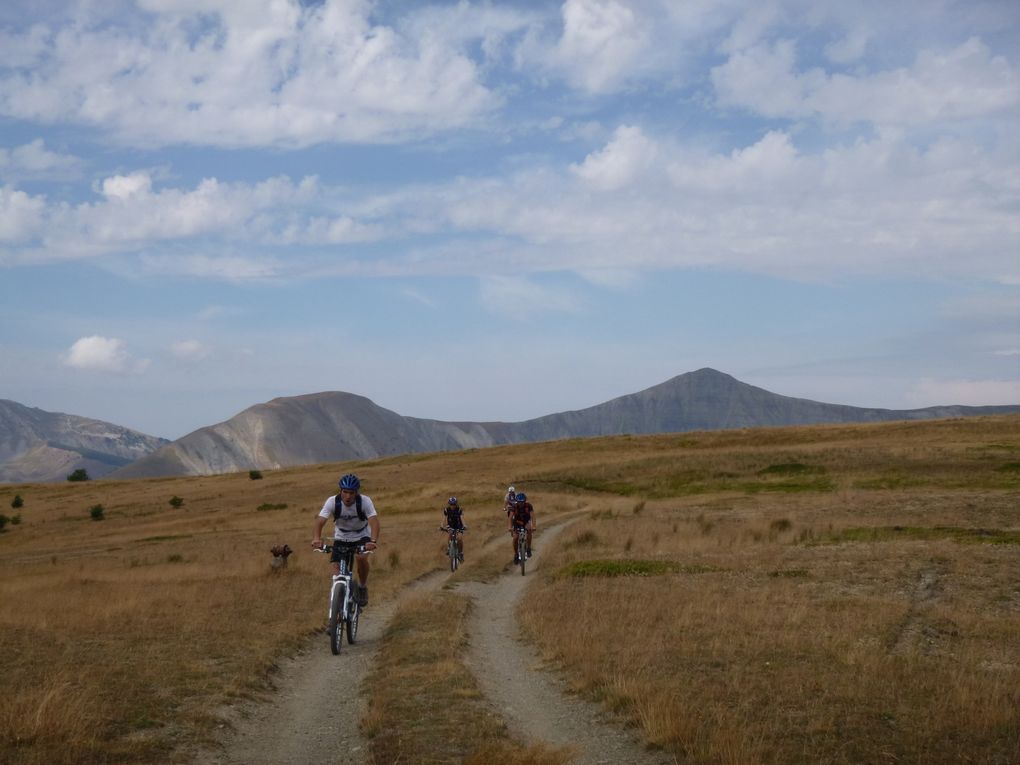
352	622
522	550
451	550
335	622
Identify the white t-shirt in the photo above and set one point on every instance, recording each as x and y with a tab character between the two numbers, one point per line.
349	527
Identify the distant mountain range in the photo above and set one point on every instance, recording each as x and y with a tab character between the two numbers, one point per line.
38	446
336	426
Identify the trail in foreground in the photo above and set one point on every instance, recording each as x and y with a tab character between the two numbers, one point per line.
314	714
533	702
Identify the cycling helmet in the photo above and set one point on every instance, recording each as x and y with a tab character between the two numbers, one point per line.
452	502
521	497
350	481
511	490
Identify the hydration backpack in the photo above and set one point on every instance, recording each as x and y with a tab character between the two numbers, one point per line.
338	503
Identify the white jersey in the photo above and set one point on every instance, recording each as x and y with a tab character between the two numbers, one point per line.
348	527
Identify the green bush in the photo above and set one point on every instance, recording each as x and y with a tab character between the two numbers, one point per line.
17	501
255	475
79	475
176	501
96	512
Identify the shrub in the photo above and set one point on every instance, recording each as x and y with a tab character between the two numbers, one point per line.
271	506
255	475
79	475
176	501
96	512
3	521
17	501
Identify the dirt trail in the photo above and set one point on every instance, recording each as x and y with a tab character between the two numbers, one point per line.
531	700
313	716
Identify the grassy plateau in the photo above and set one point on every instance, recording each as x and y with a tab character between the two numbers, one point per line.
836	594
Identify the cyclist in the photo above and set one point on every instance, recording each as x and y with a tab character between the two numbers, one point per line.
508	500
454	519
354	520
522	515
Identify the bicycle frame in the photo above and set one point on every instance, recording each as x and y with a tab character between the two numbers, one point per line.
344	611
452	546
522	546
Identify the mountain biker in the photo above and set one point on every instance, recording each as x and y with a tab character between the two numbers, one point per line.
522	515
354	520
455	520
508	501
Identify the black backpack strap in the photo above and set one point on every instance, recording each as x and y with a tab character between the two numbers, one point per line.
357	505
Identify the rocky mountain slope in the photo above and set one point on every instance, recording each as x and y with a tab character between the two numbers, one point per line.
336	426
40	446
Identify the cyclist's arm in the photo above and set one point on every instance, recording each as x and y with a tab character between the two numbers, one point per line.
320	521
373	526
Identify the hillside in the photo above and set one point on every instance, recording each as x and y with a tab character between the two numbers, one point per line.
332	426
41	446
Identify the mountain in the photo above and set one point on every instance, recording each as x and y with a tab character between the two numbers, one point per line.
337	426
39	446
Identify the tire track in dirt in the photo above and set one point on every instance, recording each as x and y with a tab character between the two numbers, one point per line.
314	713
534	702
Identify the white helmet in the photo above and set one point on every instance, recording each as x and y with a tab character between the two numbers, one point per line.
511	490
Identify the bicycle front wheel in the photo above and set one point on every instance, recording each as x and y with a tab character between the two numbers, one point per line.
522	551
336	624
352	622
451	550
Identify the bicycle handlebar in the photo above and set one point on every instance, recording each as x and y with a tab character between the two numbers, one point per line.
358	548
448	529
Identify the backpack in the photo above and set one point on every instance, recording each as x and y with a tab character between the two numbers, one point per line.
337	504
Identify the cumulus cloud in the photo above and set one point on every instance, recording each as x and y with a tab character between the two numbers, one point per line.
103	354
242	74
965	82
626	158
34	161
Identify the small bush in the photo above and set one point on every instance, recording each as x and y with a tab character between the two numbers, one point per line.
176	501
3	521
255	475
81	474
175	558
17	501
780	525
269	506
96	512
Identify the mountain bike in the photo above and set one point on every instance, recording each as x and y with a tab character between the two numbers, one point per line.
452	548
522	545
344	610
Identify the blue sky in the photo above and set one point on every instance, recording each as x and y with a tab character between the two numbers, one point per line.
499	210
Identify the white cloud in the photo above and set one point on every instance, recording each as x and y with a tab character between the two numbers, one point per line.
522	299
242	74
33	161
966	82
190	350
103	354
626	158
929	392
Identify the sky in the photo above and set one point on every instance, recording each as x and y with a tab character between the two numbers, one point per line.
492	210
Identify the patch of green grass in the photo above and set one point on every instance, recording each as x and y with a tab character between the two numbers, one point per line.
270	506
791	468
893	533
790	573
630	567
1009	467
165	537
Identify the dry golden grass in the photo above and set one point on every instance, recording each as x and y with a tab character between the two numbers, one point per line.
781	632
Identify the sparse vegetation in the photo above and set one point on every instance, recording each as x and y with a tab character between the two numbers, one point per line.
869	616
255	475
81	474
176	501
4	520
271	506
17	502
96	512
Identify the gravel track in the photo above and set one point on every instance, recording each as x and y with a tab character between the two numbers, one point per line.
313	715
532	700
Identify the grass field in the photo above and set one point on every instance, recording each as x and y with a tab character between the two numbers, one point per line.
826	594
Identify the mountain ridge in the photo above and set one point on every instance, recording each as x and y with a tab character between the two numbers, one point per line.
334	426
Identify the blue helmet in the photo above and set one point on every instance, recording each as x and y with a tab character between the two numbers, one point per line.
521	497
350	481
452	502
